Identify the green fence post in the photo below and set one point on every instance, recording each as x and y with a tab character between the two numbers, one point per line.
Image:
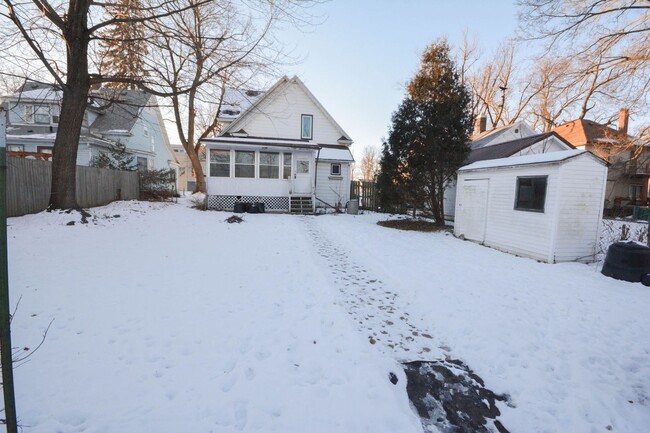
5	314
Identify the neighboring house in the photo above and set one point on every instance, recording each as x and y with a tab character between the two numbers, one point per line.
544	206
507	141
129	117
186	175
280	147
627	182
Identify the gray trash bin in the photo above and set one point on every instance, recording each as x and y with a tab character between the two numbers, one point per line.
353	206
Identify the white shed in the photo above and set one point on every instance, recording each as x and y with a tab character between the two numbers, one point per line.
546	206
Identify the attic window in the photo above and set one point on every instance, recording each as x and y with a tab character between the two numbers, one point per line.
307	127
230	112
253	93
531	193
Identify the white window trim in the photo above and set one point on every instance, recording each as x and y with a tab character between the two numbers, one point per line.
311	127
340	173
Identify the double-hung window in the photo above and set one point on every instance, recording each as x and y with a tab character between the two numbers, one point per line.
335	169
269	165
244	164
42	114
219	163
286	166
307	127
531	193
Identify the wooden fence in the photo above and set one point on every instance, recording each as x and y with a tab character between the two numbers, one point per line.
29	182
366	193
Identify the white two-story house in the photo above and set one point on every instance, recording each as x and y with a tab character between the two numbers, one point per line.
281	148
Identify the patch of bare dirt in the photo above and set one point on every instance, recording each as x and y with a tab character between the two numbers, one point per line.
412	224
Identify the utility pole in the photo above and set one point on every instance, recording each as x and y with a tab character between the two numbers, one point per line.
5	313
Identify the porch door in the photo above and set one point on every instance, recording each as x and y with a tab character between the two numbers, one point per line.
473	209
302	176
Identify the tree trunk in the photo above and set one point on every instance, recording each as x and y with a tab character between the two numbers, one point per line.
73	106
199	175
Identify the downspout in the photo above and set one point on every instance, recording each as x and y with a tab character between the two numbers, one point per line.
316	179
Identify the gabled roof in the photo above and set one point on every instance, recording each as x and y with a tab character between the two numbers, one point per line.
509	148
534	159
581	132
122	111
492	136
283	83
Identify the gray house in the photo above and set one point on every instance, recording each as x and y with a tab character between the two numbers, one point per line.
128	117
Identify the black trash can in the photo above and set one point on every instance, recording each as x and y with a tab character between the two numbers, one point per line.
260	207
239	207
254	208
628	261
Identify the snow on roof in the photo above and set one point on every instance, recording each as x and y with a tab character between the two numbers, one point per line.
236	101
540	158
335	154
46	94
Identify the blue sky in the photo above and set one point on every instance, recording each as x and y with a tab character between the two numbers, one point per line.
357	62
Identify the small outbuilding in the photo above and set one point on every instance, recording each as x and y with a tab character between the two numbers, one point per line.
545	206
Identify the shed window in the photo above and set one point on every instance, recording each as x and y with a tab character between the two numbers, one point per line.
219	163
244	164
335	169
15	148
307	128
531	193
45	149
269	165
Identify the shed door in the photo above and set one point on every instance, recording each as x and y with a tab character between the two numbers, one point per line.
473	209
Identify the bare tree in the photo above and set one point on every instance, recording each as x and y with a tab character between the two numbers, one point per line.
199	53
60	37
370	163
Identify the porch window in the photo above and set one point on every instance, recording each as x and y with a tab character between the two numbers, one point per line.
28	113
269	165
307	121
55	111
286	166
219	163
244	164
335	169
531	193
42	114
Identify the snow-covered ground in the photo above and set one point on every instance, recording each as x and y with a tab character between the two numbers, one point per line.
169	319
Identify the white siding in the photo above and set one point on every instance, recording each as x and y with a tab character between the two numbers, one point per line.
333	190
524	233
567	229
280	117
581	204
449	198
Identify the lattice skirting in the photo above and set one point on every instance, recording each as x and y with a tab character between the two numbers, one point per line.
227	202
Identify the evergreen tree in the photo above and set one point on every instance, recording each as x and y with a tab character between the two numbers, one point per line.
429	137
123	46
116	159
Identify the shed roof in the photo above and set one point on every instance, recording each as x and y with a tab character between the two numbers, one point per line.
538	158
508	148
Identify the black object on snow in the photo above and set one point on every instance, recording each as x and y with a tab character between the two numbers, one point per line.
451	397
239	207
628	261
393	378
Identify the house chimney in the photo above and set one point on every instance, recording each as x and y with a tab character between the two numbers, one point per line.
623	120
480	125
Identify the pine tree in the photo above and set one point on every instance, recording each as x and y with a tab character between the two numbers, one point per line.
123	46
429	137
117	158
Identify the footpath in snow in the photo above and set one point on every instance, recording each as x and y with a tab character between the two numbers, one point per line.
169	319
